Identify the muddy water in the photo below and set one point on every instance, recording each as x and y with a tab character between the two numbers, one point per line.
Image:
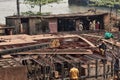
8	7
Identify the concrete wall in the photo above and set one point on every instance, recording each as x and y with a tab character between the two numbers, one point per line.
13	73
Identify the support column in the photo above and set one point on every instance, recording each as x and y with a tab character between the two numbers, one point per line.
80	70
88	70
96	69
104	71
62	71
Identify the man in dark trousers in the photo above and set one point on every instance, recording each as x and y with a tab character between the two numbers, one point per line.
116	69
102	48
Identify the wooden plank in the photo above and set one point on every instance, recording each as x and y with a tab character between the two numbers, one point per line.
62	52
93	35
92	45
112	42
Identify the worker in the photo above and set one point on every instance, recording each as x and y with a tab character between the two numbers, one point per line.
108	35
74	73
97	25
56	74
102	48
55	43
80	27
116	69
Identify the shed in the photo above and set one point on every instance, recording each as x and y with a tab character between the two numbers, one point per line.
56	23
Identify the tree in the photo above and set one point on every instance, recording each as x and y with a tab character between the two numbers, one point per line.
107	3
39	2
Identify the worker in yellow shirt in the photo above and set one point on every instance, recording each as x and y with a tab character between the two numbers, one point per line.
74	73
55	43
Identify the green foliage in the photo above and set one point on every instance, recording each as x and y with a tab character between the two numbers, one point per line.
38	2
46	13
30	13
105	3
119	10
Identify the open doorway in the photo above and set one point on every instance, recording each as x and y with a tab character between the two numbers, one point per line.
42	27
98	20
24	26
66	24
88	21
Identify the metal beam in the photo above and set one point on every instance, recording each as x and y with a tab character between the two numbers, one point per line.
24	48
46	61
64	59
73	58
64	51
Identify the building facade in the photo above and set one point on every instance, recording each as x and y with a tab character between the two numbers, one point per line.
56	23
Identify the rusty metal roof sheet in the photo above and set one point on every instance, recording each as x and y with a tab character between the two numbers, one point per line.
62	15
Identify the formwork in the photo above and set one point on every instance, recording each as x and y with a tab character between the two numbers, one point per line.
45	61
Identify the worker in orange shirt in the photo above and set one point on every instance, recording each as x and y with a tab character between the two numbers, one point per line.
74	73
